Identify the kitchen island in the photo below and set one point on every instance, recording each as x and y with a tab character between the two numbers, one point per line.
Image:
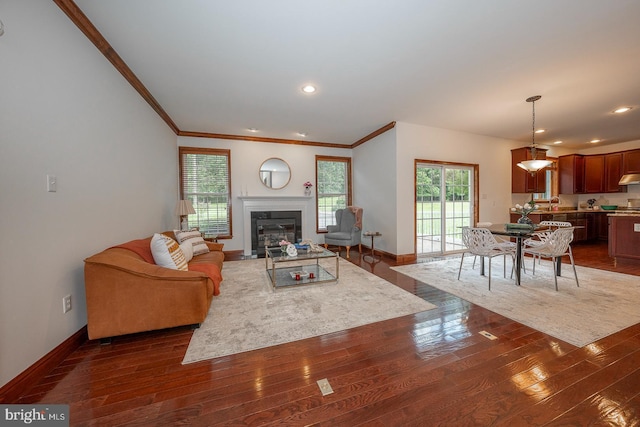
624	236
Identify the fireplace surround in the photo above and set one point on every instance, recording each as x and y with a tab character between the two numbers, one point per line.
277	204
268	228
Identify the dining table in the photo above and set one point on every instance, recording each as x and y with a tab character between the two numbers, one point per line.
519	233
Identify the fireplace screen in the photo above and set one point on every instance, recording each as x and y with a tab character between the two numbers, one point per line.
271	231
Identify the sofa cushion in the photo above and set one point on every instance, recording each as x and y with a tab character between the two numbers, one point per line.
167	253
194	237
187	250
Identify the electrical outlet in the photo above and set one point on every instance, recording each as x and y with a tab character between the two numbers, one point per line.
636	227
66	304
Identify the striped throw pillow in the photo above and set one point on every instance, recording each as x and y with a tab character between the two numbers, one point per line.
194	237
167	253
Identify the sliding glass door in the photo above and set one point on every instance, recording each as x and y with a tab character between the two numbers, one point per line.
444	203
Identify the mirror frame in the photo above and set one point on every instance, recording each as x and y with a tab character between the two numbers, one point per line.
267	177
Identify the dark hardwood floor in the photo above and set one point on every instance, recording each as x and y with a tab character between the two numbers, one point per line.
431	368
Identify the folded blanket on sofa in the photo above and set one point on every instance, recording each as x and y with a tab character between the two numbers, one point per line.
141	247
211	270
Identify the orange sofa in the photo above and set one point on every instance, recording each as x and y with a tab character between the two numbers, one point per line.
127	292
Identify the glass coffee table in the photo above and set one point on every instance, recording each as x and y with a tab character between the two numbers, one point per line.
304	269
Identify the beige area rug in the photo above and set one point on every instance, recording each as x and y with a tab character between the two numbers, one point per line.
605	302
248	314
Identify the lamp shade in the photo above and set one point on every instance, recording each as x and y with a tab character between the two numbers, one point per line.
534	165
184	207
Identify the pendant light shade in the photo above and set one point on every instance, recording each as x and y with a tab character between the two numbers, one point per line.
534	165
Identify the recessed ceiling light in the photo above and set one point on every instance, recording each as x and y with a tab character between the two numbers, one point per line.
302	134
540	130
621	110
557	142
308	88
252	130
595	141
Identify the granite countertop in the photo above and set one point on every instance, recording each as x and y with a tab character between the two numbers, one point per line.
622	213
574	210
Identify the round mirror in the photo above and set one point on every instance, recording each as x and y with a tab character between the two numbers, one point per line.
275	173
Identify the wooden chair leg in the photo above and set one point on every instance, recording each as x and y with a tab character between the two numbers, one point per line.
348	247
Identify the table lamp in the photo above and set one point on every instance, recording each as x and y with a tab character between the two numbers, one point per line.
183	209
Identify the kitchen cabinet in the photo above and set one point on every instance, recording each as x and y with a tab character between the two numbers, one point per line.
571	174
624	241
594	174
591	174
523	181
579	219
602	225
613	173
631	161
591	225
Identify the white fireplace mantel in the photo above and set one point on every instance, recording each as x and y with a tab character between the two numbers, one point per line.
277	203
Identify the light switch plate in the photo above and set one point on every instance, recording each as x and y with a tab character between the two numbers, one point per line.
52	183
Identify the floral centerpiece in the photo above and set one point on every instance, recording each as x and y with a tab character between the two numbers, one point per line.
524	211
307	188
283	245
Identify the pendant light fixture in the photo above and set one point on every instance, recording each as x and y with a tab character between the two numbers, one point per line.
534	165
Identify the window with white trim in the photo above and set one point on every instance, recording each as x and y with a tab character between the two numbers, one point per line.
333	188
205	180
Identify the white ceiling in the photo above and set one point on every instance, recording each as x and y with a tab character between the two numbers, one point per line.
223	66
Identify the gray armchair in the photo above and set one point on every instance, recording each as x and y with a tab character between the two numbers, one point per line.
346	232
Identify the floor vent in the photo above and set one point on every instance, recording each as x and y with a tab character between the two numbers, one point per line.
325	387
488	335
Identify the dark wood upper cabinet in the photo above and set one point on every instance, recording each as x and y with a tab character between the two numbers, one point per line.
594	174
571	174
523	181
613	173
631	161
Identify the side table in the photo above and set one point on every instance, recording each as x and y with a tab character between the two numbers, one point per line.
373	235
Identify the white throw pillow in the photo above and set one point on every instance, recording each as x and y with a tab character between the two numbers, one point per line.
167	253
194	238
187	250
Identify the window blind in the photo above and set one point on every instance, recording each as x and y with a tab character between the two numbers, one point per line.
205	181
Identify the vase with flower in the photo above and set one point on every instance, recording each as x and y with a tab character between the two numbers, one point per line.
307	188
283	246
524	211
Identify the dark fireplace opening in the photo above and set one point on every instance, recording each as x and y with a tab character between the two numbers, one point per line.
268	228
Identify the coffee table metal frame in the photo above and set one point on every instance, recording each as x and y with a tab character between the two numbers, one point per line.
280	274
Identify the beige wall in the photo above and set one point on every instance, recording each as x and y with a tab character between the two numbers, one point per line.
64	110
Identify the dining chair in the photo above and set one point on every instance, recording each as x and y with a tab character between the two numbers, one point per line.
540	237
480	242
507	243
557	244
